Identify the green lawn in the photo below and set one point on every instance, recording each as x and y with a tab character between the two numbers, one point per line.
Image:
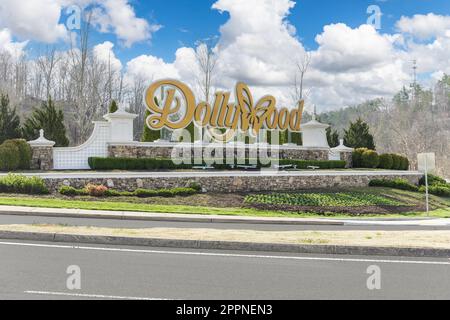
441	206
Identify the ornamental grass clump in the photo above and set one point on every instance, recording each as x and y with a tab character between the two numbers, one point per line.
14	183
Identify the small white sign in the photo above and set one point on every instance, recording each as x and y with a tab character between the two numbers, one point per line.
426	162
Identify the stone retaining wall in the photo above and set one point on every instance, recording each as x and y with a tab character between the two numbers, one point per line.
235	182
165	151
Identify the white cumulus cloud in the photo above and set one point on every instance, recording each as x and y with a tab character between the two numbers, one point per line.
424	26
15	49
36	19
119	17
104	52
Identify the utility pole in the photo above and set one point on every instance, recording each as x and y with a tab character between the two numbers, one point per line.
414	83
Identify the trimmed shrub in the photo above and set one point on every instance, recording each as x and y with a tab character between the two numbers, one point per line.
397	162
437	190
196	186
401	184
24	152
145	193
182	192
9	157
386	161
14	183
115	193
71	191
404	163
370	159
433	180
102	191
357	157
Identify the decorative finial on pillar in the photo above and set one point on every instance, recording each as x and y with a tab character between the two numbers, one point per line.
41	141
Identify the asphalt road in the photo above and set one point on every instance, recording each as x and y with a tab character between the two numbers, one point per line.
38	271
112	223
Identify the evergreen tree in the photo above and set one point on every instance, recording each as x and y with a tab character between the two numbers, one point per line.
149	135
191	129
332	137
282	136
9	121
358	135
113	107
49	118
296	138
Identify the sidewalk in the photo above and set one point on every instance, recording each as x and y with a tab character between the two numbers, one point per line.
122	215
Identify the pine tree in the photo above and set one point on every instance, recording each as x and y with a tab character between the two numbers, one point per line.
9	121
296	138
358	135
332	137
113	107
149	135
50	119
191	129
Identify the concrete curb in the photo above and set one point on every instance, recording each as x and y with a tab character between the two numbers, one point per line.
226	245
170	217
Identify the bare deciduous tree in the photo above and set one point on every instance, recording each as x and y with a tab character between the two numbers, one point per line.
206	60
301	68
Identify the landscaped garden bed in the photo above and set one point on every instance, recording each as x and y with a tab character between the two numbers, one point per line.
234	204
357	203
383	198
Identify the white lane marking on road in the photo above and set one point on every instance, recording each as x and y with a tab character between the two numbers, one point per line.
233	255
85	295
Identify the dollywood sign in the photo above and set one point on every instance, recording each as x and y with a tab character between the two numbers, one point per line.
243	115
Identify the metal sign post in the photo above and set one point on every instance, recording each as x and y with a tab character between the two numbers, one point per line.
426	187
426	164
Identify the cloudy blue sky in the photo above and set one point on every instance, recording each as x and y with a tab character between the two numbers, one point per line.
257	41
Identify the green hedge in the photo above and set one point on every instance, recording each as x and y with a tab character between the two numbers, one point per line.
141	193
71	191
322	164
134	164
402	184
167	164
365	158
13	183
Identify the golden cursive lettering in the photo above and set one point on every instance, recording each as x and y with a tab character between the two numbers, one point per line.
243	115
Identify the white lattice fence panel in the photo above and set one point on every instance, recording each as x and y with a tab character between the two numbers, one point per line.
76	158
